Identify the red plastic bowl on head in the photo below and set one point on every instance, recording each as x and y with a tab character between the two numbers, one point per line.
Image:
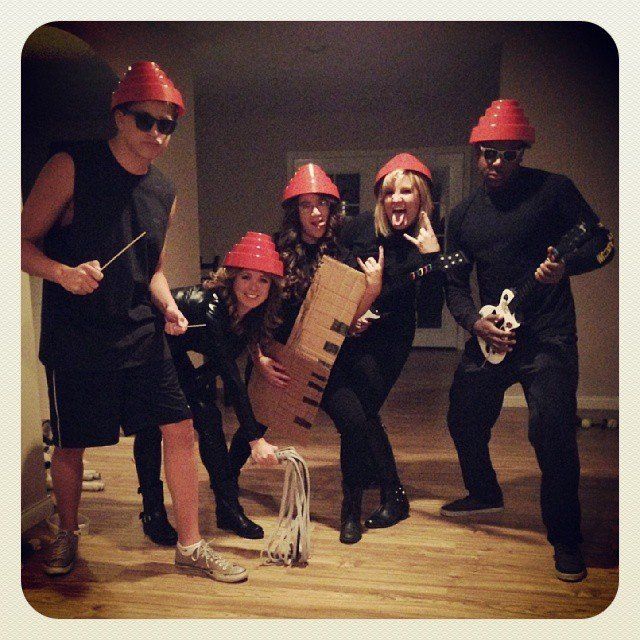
404	161
143	81
503	120
255	251
310	178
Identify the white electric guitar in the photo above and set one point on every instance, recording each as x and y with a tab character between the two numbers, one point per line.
513	300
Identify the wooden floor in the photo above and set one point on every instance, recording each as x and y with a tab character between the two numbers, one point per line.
425	567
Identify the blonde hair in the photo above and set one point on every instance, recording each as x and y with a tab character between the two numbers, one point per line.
260	322
419	184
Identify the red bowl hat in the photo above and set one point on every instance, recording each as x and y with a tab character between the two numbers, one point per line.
146	81
255	251
404	161
310	178
503	120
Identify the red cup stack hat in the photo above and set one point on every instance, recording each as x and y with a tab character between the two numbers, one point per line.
146	81
503	120
255	251
310	178
404	161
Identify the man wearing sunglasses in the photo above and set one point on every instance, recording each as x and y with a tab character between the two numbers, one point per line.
506	227
102	343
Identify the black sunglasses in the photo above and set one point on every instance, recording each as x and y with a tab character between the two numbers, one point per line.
145	122
508	155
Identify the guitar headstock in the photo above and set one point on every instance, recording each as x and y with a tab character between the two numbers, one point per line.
455	259
442	263
572	240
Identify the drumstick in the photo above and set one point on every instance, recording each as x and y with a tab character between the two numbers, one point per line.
104	266
193	326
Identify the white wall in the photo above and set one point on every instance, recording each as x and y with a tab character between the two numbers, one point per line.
36	505
242	162
562	74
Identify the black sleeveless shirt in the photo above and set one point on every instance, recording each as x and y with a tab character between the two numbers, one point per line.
116	326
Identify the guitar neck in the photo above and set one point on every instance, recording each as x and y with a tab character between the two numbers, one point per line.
575	238
523	292
527	288
422	271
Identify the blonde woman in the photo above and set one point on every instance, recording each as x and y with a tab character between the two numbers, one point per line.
370	363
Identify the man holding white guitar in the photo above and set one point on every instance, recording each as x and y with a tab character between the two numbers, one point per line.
526	230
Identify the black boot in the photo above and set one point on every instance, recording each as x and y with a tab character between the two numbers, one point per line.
394	507
239	453
230	514
154	516
350	527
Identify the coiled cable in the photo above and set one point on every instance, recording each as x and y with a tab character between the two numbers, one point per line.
290	542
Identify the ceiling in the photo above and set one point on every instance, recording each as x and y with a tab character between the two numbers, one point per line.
331	65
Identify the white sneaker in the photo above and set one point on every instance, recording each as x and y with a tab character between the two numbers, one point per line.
205	560
62	552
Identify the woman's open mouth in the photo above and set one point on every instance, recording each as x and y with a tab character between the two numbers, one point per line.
398	218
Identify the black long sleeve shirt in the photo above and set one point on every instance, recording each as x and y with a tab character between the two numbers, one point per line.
357	239
506	235
401	257
220	345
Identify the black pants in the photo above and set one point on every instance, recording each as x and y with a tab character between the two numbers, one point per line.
548	373
361	379
223	465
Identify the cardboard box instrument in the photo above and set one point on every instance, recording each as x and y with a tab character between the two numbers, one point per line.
312	348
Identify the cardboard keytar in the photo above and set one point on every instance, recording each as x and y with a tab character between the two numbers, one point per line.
311	350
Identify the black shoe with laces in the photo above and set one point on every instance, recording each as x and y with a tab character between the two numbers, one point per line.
470	506
570	565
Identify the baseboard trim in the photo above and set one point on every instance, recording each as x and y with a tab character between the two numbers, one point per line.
601	403
36	513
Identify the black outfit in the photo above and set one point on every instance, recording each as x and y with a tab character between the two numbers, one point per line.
369	365
105	353
88	408
506	233
364	372
221	346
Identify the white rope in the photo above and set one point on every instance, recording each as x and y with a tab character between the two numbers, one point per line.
290	542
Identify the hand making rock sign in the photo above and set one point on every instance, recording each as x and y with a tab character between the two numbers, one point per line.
373	273
427	241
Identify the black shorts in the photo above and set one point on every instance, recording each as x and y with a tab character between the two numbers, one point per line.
88	408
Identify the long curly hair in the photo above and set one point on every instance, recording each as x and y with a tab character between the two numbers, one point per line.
298	272
259	323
